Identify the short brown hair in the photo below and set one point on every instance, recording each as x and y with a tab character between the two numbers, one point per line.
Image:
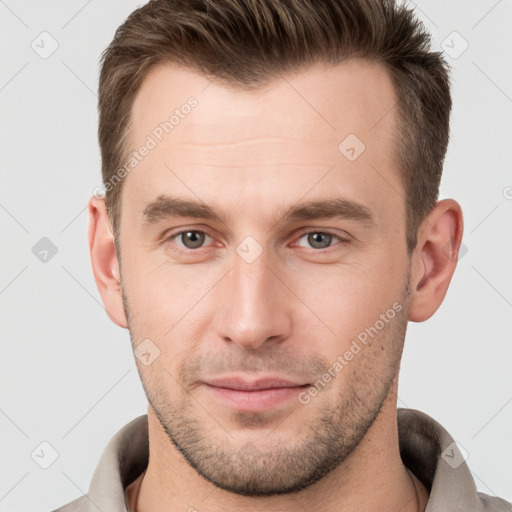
248	43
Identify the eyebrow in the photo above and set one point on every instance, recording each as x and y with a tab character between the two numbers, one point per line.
330	208
168	206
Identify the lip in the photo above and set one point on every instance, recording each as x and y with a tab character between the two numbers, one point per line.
240	384
253	396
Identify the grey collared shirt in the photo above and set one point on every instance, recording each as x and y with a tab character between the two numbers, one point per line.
426	448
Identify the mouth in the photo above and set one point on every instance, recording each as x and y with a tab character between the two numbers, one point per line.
253	396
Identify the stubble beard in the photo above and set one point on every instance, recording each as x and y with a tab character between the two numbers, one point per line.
269	466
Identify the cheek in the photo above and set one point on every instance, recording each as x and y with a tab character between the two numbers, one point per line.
338	301
164	296
350	298
165	308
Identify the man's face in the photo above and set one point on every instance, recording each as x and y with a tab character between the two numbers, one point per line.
293	259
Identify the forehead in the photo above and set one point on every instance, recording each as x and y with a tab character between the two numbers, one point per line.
321	101
281	137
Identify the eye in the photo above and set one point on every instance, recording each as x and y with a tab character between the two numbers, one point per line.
191	239
318	239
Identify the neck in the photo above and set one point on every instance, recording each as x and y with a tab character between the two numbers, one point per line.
373	478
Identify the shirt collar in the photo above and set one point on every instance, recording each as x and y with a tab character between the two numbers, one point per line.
426	448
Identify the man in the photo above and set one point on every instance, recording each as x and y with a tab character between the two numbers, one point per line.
270	225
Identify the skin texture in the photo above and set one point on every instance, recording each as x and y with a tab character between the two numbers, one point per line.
291	311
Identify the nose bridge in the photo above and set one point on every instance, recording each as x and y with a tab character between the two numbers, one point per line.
253	310
252	285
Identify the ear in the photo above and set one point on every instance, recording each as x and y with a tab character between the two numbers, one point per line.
105	265
435	258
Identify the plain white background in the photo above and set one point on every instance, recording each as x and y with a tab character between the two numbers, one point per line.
68	376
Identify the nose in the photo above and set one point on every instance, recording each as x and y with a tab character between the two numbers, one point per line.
254	308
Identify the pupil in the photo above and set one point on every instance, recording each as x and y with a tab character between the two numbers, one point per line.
192	239
319	240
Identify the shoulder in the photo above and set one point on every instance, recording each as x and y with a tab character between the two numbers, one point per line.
81	504
494	504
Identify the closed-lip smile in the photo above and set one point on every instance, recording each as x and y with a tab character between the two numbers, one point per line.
253	395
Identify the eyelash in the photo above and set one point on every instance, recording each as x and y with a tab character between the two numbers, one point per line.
305	233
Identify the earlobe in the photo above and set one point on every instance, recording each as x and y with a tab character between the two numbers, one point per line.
104	261
435	258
